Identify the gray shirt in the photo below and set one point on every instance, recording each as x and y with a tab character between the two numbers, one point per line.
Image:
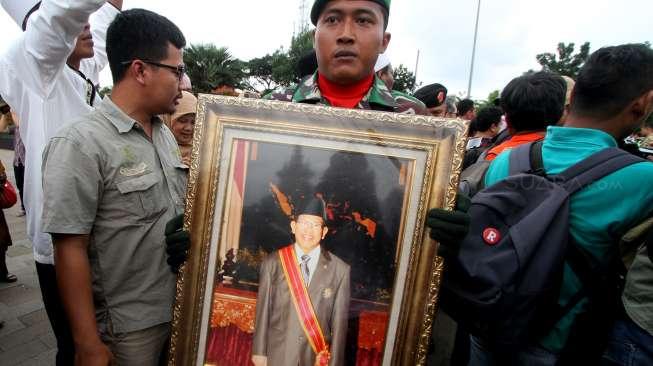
638	293
104	177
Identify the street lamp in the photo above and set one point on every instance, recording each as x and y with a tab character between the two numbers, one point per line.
471	69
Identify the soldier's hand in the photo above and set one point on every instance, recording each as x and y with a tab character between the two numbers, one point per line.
177	243
450	227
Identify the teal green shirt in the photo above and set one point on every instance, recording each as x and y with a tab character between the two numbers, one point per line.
599	214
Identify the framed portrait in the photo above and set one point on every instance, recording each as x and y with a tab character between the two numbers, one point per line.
372	293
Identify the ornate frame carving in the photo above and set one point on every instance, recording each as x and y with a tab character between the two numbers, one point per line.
442	139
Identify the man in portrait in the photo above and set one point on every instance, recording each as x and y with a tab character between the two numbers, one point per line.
303	298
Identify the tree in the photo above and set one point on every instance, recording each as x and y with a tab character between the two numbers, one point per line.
565	62
300	45
209	67
489	102
280	68
404	80
269	72
260	70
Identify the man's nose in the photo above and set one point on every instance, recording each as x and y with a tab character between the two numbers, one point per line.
347	32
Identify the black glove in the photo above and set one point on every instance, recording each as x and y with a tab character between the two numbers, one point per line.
450	227
177	243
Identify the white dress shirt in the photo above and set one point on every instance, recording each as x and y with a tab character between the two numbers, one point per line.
46	94
312	262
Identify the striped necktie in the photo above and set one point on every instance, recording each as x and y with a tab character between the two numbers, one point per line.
304	267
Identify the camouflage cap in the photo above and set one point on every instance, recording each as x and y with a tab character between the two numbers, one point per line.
318	5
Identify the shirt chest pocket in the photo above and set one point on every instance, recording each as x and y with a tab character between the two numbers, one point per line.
138	196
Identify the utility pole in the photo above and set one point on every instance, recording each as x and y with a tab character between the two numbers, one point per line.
471	69
416	65
303	18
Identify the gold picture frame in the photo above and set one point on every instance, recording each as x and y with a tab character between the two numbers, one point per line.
421	155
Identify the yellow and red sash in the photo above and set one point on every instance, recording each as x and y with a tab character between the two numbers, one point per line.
303	304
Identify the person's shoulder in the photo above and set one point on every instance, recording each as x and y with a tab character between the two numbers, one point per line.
499	168
339	263
81	128
634	175
400	96
408	104
283	94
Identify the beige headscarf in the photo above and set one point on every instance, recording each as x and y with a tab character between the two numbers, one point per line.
187	104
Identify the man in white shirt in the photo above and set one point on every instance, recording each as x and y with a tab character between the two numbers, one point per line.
48	76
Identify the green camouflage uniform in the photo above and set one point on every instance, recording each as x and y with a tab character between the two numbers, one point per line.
378	98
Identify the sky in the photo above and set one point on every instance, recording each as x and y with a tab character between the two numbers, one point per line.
511	32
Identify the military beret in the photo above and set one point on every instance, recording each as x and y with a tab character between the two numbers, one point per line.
432	95
318	5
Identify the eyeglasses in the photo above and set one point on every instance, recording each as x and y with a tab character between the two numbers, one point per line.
309	225
179	70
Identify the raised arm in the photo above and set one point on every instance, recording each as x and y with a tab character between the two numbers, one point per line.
39	55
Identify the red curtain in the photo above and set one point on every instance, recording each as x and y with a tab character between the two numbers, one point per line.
229	346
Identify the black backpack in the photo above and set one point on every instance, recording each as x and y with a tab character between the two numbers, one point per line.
504	281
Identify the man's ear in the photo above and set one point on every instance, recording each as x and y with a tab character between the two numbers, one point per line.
293	226
642	106
441	97
325	230
386	41
137	68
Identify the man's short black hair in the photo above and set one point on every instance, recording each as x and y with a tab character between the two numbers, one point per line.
611	79
307	65
464	106
534	101
487	117
140	34
429	95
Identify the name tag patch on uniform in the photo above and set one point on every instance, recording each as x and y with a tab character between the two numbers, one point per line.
327	292
133	170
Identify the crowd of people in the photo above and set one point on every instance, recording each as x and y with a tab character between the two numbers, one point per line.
105	178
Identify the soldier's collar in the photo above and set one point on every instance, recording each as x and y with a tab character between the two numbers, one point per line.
380	95
308	92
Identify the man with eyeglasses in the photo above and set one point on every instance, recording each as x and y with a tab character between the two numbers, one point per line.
48	76
111	181
303	298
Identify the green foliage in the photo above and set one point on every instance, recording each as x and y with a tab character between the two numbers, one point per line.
404	80
565	62
488	102
209	67
300	45
280	68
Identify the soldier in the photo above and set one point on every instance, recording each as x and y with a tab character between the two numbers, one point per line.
348	39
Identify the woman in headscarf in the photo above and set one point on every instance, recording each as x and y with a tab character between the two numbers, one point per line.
182	124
